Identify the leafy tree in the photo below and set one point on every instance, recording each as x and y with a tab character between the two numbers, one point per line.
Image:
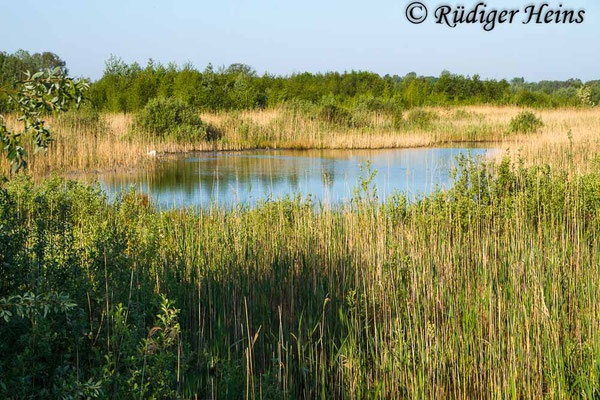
128	88
40	94
12	67
584	94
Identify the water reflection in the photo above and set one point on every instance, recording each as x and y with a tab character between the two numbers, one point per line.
327	175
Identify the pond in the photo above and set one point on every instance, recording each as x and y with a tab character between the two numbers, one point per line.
328	176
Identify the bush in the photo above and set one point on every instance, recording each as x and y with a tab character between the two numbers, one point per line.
526	98
366	107
335	115
463	114
368	103
171	118
297	107
4	104
398	119
525	122
421	118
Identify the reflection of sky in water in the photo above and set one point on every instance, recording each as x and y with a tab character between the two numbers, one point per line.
328	175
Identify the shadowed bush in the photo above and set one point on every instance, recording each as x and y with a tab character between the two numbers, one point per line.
335	115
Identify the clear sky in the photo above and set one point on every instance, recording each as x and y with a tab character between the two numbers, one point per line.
282	37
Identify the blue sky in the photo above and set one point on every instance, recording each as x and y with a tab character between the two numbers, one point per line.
283	37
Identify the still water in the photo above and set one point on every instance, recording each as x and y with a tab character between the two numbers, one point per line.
328	176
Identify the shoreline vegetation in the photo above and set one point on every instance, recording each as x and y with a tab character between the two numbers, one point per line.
133	110
489	289
88	141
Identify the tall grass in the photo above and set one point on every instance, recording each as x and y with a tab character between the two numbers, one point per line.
84	143
488	290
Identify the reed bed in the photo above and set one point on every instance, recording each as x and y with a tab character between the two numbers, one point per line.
488	290
108	143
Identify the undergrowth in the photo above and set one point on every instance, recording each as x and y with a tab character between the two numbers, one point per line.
489	289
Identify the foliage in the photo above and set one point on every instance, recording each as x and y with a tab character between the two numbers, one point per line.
291	301
161	351
31	307
398	119
525	122
526	98
36	328
13	66
333	114
40	94
421	118
171	118
585	95
369	103
127	88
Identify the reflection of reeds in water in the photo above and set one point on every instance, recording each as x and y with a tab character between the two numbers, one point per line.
217	177
326	175
82	146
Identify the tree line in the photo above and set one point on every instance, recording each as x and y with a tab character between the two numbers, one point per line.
128	87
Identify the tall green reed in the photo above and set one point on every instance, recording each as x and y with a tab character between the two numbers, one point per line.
489	289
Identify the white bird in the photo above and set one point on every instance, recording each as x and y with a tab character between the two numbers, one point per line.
151	152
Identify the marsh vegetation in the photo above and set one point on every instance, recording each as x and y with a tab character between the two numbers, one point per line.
487	289
484	290
91	141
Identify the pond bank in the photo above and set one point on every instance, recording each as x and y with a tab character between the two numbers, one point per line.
110	147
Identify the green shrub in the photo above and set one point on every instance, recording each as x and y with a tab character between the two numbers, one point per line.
171	118
398	119
365	107
297	107
335	115
526	98
368	103
463	114
421	118
4	104
525	122
585	96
